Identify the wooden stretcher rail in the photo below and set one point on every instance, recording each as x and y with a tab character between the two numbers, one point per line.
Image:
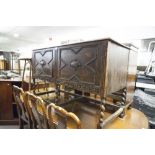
43	93
109	106
91	99
111	117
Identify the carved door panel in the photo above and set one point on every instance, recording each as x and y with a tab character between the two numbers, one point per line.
43	64
79	65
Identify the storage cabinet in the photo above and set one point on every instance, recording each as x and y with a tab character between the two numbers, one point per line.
99	67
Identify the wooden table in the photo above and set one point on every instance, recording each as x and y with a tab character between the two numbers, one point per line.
134	119
89	116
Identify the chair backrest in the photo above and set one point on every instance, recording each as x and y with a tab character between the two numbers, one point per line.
19	95
59	118
37	111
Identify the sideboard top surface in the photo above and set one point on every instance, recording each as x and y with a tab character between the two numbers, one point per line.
88	41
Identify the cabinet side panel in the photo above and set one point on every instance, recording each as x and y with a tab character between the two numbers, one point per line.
6	108
131	75
117	67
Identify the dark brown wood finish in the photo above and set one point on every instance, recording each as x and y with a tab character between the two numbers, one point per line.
7	102
98	67
6	107
43	63
79	66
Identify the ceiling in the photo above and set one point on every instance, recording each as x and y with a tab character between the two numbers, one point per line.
27	38
19	37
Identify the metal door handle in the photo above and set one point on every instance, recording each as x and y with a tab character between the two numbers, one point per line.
42	62
75	64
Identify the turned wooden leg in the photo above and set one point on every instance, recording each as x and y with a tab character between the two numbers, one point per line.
57	91
102	115
66	95
123	103
124	95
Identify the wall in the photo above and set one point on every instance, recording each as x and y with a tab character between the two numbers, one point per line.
121	34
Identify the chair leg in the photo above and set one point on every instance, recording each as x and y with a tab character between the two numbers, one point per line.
30	125
21	124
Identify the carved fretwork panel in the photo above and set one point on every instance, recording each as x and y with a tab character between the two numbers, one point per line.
43	64
78	66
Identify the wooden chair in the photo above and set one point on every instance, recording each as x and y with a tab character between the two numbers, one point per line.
59	118
37	111
23	113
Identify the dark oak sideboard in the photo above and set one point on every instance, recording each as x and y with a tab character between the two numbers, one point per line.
99	67
104	69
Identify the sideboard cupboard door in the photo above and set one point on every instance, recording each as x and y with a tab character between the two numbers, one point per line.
79	66
43	63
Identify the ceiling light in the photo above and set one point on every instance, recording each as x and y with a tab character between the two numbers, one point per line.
16	35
